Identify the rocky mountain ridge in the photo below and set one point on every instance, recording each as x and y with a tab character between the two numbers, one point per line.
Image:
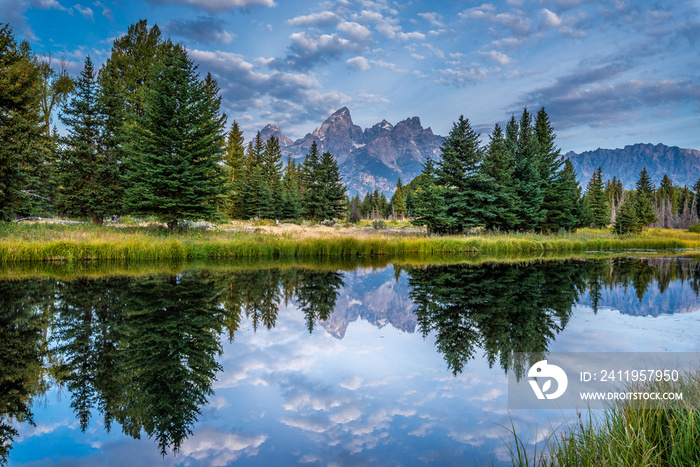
681	165
374	158
369	159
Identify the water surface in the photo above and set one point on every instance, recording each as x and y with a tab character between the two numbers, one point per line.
352	363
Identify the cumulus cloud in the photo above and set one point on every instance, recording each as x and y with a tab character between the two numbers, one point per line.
219	447
204	29
322	19
433	18
496	56
355	31
358	63
517	22
217	6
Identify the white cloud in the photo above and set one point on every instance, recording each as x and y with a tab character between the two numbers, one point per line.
432	18
219	448
322	19
86	12
358	63
551	19
48	5
355	31
496	56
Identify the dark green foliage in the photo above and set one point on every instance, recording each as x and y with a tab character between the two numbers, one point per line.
322	188
558	212
259	202
466	190
89	180
234	159
627	220
20	121
527	177
644	184
333	188
312	189
644	202
498	166
502	309
597	201
316	294
430	207
176	147
398	201
272	171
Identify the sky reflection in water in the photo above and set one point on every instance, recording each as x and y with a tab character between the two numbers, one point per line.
366	386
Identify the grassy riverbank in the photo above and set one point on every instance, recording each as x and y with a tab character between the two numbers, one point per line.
627	434
59	242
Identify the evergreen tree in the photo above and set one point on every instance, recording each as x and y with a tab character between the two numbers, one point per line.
566	208
272	170
644	199
527	177
644	184
126	80
234	159
259	200
627	220
550	167
398	203
176	147
89	181
313	206
597	201
430	209
333	188
20	120
498	166
467	191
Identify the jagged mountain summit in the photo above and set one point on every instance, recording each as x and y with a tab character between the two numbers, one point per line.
273	130
681	165
368	159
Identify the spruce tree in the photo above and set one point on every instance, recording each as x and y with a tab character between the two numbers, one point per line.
597	201
498	166
398	203
176	148
272	170
644	199
234	159
20	120
527	177
551	164
355	215
333	188
627	220
430	208
313	198
126	80
467	192
88	178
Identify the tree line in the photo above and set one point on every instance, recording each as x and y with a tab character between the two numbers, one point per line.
145	136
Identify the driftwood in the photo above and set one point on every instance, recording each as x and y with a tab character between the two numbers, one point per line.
48	220
27	192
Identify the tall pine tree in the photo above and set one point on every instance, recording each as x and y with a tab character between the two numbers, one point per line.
176	148
89	180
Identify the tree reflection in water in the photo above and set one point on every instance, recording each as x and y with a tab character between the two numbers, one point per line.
142	350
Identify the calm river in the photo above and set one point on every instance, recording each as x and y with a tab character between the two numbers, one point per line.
318	364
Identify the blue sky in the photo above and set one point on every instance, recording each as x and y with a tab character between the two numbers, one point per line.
610	73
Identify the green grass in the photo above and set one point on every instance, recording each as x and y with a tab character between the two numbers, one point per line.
627	434
52	242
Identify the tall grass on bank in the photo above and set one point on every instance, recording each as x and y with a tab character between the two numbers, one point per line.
87	242
629	433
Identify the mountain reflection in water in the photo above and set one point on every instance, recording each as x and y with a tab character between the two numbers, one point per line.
143	350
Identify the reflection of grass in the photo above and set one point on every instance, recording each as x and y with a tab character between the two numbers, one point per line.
628	434
41	242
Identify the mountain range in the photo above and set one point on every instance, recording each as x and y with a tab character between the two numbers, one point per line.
375	157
